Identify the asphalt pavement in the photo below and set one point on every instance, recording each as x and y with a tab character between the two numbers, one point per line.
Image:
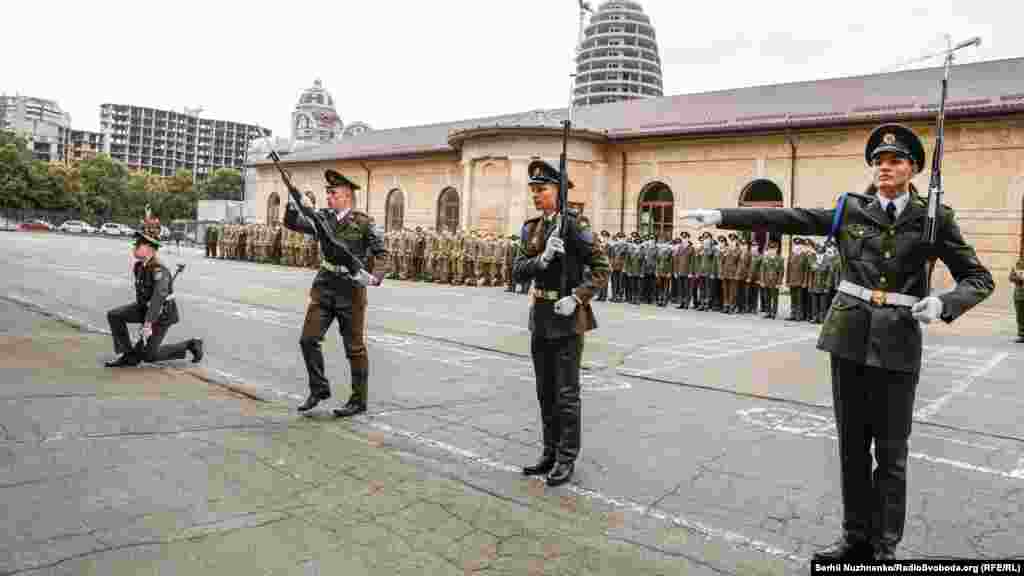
708	437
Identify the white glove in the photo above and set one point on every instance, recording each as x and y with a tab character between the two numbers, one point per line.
703	217
927	310
566	306
363	278
554	246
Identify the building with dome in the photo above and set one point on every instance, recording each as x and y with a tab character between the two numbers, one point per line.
617	56
315	118
314	122
638	163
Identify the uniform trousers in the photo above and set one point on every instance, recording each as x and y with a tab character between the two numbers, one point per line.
796	302
873	405
556	364
336	297
120	317
616	282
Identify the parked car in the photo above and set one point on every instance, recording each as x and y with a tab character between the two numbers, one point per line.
35	225
111	229
127	230
77	227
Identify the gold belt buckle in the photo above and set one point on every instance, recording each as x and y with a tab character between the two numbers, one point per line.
878	297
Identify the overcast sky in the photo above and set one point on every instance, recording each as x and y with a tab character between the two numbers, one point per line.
398	63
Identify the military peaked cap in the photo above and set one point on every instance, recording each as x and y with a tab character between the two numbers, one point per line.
897	139
543	173
335	179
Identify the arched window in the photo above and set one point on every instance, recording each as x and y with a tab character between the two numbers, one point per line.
273	208
312	199
302	121
448	210
656	210
762	193
395	216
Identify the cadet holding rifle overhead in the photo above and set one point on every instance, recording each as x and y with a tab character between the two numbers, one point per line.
870	331
349	246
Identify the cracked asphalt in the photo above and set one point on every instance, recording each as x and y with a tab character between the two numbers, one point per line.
708	442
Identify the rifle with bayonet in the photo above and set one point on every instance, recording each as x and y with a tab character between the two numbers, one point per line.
333	251
935	191
563	204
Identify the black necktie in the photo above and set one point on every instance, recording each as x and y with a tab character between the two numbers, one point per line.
890	210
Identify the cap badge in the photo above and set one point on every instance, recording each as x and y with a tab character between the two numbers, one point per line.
889	138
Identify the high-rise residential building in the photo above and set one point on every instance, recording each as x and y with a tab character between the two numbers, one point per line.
163	141
617	56
40	120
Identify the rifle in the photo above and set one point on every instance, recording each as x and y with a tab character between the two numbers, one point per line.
334	251
935	182
140	346
563	202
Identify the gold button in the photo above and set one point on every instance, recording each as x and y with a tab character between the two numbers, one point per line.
888	254
882	280
891	232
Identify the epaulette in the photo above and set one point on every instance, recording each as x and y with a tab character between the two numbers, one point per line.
861	197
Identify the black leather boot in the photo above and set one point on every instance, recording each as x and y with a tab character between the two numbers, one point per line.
543	466
560	474
312	400
126	359
846	548
195	346
360	390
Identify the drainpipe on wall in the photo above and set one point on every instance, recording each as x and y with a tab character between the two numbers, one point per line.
367	168
622	200
792	180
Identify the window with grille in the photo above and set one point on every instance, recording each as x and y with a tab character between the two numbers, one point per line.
655	214
395	215
448	210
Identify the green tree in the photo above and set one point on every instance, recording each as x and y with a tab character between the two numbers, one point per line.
223	184
104	185
15	178
181	196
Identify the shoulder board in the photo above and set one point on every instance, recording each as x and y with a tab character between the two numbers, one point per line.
534	219
861	197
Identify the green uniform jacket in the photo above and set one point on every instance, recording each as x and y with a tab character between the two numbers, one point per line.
664	266
1017	279
820	275
771	271
754	275
743	270
794	272
710	263
880	255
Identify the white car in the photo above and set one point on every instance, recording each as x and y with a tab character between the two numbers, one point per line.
77	227
111	229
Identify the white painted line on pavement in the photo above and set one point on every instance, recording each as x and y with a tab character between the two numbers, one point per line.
709	532
930	409
811	425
